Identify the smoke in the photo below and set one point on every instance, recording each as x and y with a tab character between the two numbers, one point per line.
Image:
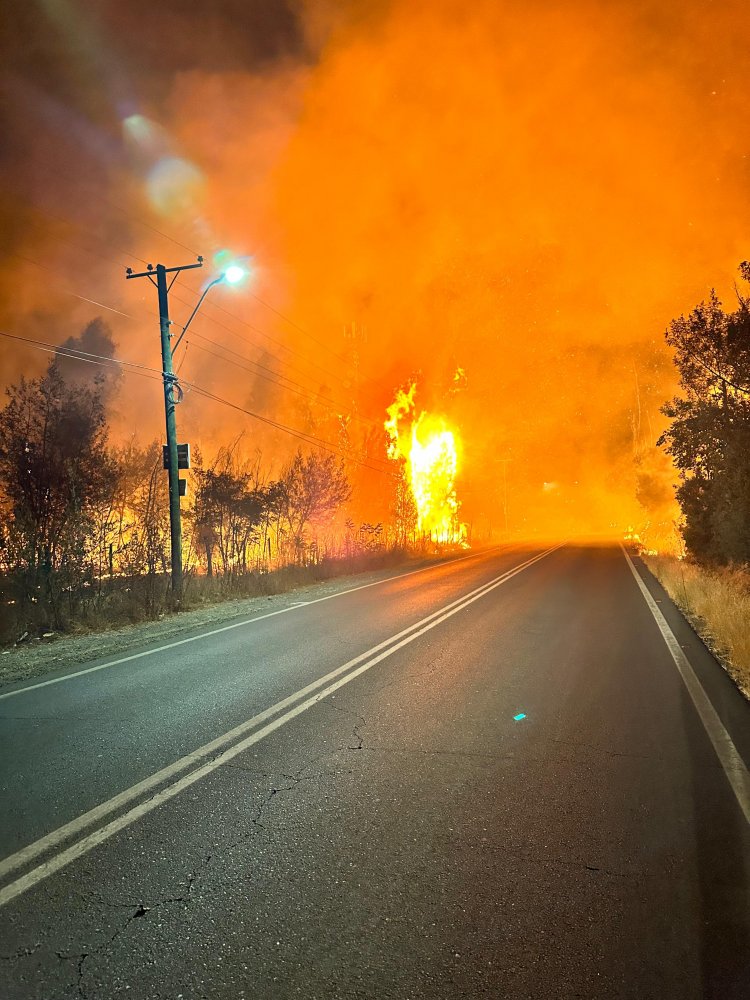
528	191
94	344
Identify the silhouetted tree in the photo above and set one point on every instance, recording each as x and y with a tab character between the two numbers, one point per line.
404	510
709	437
54	470
228	511
95	340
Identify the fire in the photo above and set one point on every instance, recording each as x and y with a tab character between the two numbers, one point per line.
430	450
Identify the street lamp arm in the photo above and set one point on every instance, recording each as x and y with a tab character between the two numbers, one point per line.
207	289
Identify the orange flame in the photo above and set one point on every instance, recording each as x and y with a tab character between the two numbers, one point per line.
430	450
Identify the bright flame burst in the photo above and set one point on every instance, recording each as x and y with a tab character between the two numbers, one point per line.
430	450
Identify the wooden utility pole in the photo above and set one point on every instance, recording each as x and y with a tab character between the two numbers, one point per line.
172	396
504	462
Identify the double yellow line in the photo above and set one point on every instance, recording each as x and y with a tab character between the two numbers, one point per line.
213	755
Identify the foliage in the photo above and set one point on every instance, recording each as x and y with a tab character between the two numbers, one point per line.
54	470
709	434
315	486
84	526
229	509
404	510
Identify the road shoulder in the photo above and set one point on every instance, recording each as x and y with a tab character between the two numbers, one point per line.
38	658
728	701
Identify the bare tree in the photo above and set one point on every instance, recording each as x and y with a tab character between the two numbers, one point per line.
315	486
229	509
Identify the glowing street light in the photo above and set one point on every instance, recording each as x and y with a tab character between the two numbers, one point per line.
232	274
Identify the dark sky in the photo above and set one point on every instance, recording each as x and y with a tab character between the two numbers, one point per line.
71	72
78	51
100	61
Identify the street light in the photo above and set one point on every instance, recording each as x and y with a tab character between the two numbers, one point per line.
232	275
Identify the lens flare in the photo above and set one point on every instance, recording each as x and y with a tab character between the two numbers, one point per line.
233	274
174	186
429	448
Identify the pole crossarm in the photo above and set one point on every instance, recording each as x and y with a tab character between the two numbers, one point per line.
167	270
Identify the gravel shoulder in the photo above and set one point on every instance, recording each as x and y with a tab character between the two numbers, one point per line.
37	657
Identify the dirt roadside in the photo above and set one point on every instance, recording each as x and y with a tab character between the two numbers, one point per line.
36	657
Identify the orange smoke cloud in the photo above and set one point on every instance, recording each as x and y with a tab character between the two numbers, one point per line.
529	191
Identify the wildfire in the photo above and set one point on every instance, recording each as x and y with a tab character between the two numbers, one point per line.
430	450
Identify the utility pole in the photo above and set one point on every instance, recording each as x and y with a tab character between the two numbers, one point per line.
171	387
504	462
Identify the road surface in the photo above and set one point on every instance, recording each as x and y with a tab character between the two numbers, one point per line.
493	777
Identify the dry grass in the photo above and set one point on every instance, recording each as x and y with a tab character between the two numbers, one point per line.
127	601
717	602
211	604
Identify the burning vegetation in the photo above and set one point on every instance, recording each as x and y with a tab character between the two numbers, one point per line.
429	449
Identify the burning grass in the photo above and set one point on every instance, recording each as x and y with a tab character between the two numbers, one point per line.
717	602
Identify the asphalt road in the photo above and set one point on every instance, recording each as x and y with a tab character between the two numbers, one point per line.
337	800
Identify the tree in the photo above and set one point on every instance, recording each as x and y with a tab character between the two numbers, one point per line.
314	487
405	513
709	437
229	508
54	470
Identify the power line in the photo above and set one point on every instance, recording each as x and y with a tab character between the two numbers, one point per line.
207	316
66	291
119	312
74	352
132	368
79	246
304	390
278	343
252	371
300	390
129	254
65	239
59	170
105	361
77	224
302	435
127	368
255	329
298	327
294	387
191	250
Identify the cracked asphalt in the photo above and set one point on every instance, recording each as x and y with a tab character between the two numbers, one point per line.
403	837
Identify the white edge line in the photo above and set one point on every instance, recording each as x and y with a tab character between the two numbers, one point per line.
227	628
729	757
42	871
